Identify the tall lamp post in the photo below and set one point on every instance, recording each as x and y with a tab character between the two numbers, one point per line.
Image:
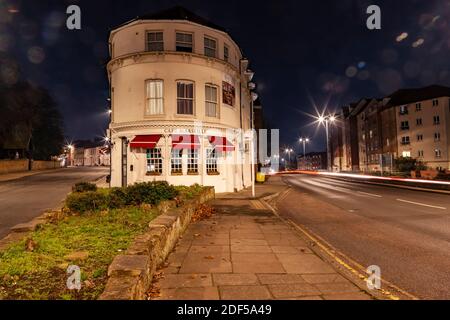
289	151
326	120
304	141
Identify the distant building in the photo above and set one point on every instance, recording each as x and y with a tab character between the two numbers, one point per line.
312	161
411	123
423	124
90	153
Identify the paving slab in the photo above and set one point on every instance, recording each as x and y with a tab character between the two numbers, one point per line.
244	253
244	293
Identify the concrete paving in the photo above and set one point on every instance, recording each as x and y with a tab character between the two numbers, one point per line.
245	252
26	197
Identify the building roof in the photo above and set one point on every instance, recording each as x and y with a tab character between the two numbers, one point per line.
178	13
406	96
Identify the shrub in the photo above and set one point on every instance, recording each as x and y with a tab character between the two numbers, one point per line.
150	193
117	198
86	201
84	187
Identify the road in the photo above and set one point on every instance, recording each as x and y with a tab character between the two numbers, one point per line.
23	199
405	232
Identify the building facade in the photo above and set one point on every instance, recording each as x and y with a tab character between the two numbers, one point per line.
423	125
312	161
410	123
180	102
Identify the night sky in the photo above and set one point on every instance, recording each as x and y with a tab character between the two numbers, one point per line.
304	53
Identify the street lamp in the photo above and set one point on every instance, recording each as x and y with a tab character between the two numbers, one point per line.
289	151
327	120
304	141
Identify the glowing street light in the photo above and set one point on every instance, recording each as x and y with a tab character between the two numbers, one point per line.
304	141
327	119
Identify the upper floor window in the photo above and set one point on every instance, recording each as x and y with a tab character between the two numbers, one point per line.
211	99
226	53
419	121
436	120
154	161
435	102
155	41
405	125
155	97
404	110
418	106
420	153
405	140
210	47
185	97
438	153
184	42
420	137
437	136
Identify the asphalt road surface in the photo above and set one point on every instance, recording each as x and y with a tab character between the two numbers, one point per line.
23	199
405	232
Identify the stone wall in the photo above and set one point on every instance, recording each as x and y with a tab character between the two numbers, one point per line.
14	166
131	274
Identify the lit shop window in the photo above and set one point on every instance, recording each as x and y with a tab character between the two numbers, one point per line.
211	161
155	41
184	42
154	161
185	97
176	162
192	161
211	97
406	154
155	97
210	47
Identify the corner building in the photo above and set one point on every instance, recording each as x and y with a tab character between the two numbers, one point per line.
180	102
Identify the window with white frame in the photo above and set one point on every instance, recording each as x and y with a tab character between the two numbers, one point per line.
226	53
155	41
420	137
184	42
192	162
420	153
403	110
405	140
419	121
210	47
437	153
418	106
211	161
176	161
155	97
435	102
436	120
437	136
211	99
154	161
185	97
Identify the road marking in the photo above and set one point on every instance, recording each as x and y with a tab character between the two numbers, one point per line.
422	204
370	194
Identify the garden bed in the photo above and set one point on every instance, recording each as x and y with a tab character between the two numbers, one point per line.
36	267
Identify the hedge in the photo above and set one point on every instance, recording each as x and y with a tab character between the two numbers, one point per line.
141	193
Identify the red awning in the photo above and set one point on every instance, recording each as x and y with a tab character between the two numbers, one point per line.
147	142
191	142
221	144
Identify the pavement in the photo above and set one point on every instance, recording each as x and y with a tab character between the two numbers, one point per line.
404	232
246	252
26	196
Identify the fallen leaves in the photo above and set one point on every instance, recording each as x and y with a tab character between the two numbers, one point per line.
203	212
